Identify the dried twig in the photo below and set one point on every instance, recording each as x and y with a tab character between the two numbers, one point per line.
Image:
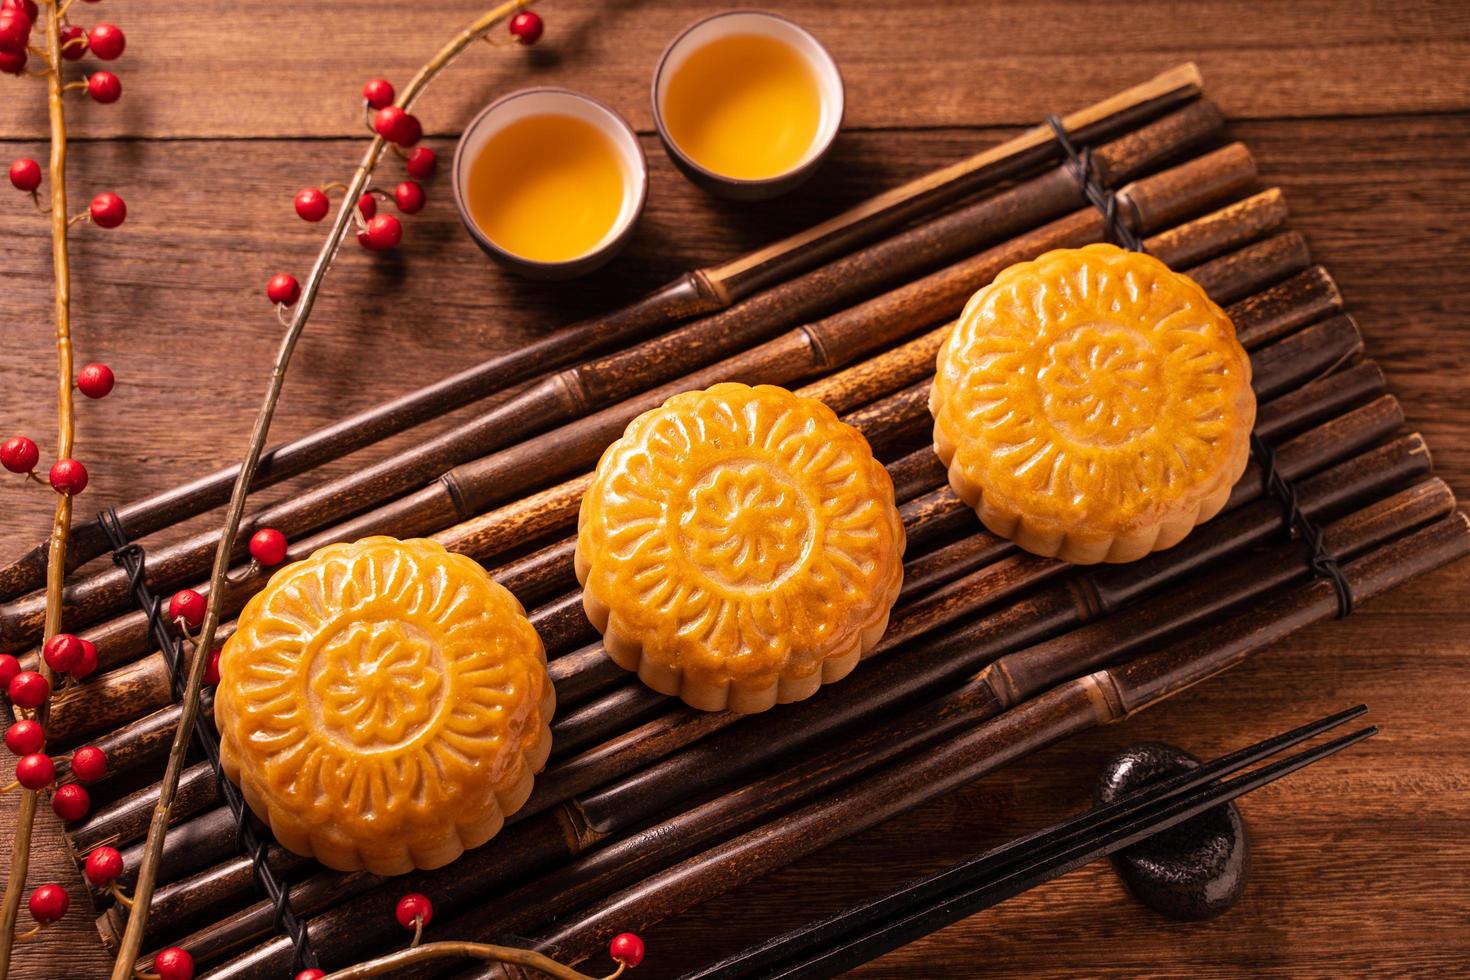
342	225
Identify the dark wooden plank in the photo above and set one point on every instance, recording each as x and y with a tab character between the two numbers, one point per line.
217	68
173	301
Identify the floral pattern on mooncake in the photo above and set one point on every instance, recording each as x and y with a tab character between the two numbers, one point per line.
384	705
739	547
1093	405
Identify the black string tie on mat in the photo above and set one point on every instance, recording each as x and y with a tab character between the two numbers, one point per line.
248	836
1323	563
1079	162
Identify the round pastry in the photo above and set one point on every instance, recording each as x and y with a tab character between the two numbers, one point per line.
1093	405
383	705
739	547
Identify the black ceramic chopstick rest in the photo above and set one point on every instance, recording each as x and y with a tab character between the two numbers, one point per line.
1196	870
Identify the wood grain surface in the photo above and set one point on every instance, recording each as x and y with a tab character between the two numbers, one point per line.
1361	112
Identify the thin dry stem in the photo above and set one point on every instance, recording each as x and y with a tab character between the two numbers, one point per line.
132	939
61	524
122	897
393	962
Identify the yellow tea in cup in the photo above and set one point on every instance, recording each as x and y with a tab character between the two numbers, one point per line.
747	103
547	188
745	106
548	180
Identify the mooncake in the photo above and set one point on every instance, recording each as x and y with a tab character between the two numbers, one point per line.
383	704
739	547
1093	405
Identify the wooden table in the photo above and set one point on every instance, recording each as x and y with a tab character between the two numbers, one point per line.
1362	113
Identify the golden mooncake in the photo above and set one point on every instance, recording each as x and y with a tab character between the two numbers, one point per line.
739	547
1093	405
384	705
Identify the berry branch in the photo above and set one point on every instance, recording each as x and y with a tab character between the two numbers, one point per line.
392	124
62	653
415	911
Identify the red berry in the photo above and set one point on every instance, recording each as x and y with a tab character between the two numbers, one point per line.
421	163
95	380
408	131
35	771
108	210
87	666
9	668
284	289
187	605
25	737
526	27
383	232
89	763
28	689
367	206
626	949
27	6
49	903
104	866
73	42
104	87
13	62
106	41
62	652
397	126
409	197
312	204
268	546
211	673
71	802
173	964
387	119
312	974
25	174
414	906
15	29
378	93
68	476
19	454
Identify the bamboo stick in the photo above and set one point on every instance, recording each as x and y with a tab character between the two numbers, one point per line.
471	488
589	825
932	723
144	684
558	622
1285	364
1346	484
1070	605
913	361
1267	316
1104	697
699	291
652	741
571	393
98	705
567	395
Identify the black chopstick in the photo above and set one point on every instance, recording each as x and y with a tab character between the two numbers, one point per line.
829	946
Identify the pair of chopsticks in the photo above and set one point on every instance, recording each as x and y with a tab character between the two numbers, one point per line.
830	946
